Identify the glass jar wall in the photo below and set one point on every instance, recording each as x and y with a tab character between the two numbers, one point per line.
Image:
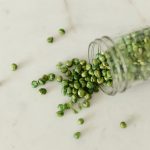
128	58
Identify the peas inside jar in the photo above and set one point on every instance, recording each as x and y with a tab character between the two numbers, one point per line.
124	61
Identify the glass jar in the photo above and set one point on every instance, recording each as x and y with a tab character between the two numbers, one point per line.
127	56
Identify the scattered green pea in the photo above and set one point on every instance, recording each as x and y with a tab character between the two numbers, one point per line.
60	113
80	121
62	31
77	135
42	91
51	77
34	84
59	78
50	39
14	67
123	124
86	104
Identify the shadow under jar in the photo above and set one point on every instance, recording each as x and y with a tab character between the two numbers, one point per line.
127	56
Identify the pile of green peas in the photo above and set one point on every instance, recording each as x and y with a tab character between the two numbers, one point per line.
79	80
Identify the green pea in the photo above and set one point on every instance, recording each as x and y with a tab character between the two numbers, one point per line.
59	65
87	96
63	107
80	121
88	66
97	73
95	67
102	58
60	113
95	62
45	77
91	72
50	39
78	68
14	67
41	81
77	135
64	90
69	90
34	84
74	91
109	83
83	84
59	78
62	31
65	83
90	85
82	62
42	91
84	67
100	80
66	106
93	79
64	69
86	104
68	73
101	66
76	61
87	79
74	98
81	79
51	77
109	74
76	85
123	124
81	92
104	73
84	74
76	76
71	85
68	63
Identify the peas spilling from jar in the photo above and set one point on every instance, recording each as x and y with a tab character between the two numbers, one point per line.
79	81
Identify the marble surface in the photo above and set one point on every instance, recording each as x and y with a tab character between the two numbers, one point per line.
27	120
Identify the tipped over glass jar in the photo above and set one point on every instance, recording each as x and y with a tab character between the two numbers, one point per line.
128	58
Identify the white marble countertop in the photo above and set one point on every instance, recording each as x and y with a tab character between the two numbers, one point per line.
27	120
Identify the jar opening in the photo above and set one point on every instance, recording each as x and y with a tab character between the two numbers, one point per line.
102	46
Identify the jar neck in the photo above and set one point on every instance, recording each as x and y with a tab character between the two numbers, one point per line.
106	45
